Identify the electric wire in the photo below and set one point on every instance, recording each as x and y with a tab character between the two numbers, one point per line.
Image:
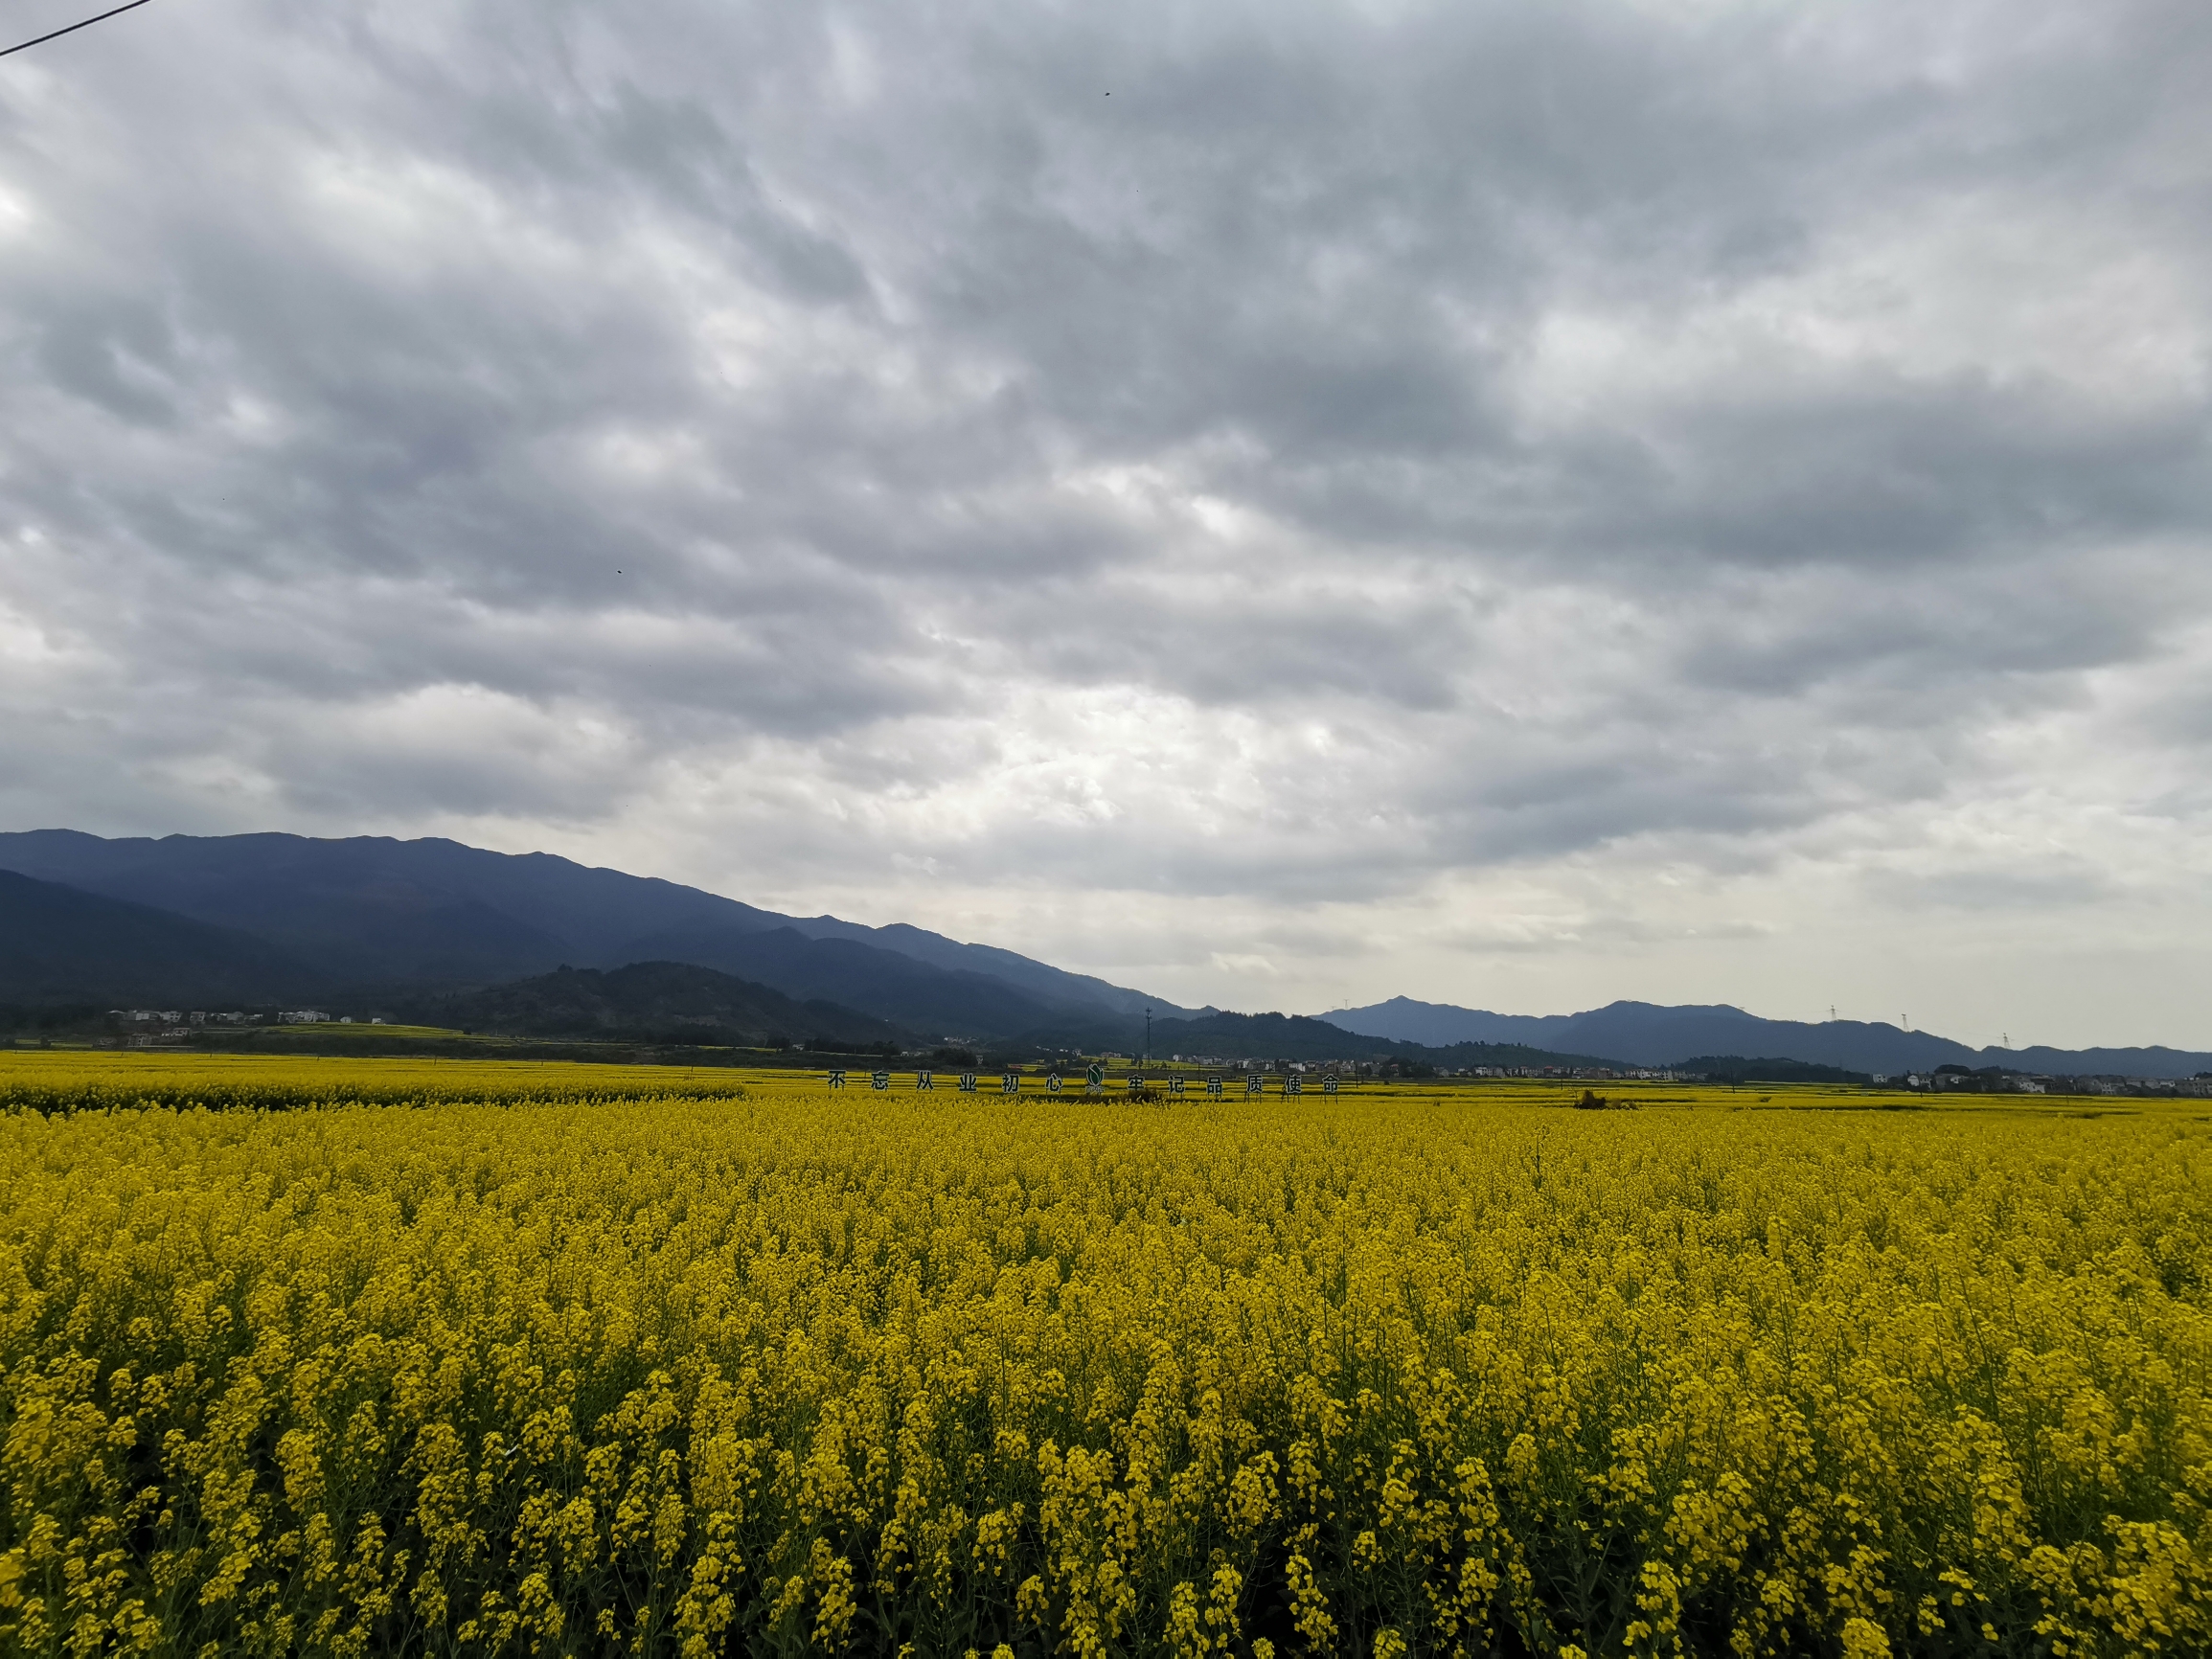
57	33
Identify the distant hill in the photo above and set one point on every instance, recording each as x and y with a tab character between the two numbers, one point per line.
1736	1069
1432	1024
2149	1062
650	1001
1298	1037
210	921
1647	1034
373	913
60	945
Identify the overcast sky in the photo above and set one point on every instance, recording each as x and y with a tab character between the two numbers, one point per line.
1512	504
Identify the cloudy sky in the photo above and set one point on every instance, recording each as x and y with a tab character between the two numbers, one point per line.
1281	505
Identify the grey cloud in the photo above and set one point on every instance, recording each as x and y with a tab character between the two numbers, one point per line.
1360	451
2041	889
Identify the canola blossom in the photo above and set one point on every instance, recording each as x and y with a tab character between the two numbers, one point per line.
1378	1374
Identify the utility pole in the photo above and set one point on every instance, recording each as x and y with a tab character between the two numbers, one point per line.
1148	1037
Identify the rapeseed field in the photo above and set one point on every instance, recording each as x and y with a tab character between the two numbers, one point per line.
61	1079
1382	1374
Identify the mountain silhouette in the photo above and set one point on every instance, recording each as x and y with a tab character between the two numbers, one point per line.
1650	1035
1302	1037
255	919
397	918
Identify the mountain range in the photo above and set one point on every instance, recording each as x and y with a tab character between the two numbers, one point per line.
1302	1037
1648	1034
384	925
287	916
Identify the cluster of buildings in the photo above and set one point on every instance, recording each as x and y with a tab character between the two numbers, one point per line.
1578	1074
202	1017
1950	1080
1389	1068
1286	1068
150	1026
175	1016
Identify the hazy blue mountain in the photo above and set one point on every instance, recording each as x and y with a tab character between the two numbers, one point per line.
375	912
1645	1033
1299	1038
59	944
1639	1032
651	1001
1433	1024
2149	1062
1636	1030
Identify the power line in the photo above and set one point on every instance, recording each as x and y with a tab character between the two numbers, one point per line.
55	34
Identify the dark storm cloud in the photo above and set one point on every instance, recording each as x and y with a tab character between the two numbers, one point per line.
1253	451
